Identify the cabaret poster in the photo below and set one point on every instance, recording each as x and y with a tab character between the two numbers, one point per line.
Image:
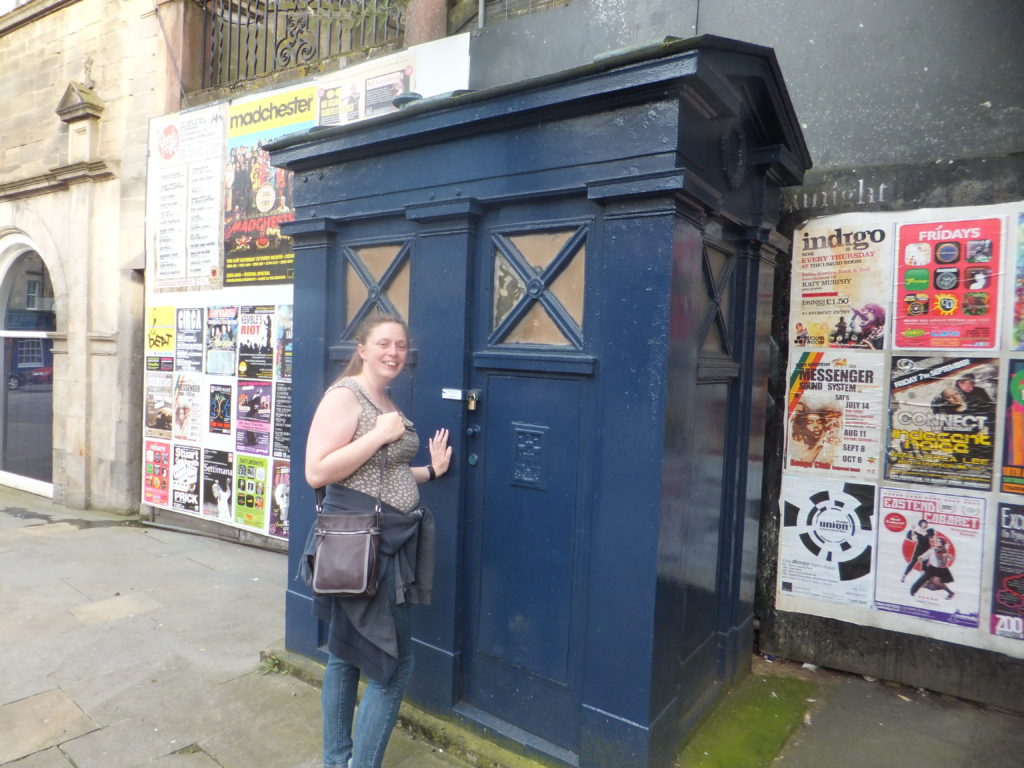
942	421
947	285
841	267
185	152
188	340
185	479
1013	441
250	491
279	500
157	473
1008	585
826	541
221	340
218	470
835	413
258	196
929	555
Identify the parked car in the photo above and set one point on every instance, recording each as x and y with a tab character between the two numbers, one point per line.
40	375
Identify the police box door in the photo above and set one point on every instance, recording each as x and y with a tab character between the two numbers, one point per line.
526	465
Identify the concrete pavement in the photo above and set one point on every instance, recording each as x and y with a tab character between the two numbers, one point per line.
123	646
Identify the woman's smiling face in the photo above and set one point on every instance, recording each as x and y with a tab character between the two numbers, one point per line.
385	350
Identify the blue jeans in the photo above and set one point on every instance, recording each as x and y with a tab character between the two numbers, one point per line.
362	746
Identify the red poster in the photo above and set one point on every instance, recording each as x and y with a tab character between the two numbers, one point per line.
157	473
947	285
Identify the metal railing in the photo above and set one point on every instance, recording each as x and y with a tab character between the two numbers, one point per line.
245	39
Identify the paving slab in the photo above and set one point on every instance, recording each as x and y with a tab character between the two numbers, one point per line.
39	722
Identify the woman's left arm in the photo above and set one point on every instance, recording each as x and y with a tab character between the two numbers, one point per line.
440	458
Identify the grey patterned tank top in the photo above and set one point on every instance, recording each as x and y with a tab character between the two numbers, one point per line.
399	488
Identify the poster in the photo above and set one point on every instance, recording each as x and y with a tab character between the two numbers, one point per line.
279	500
282	421
382	89
1013	441
221	408
258	196
1008	582
947	284
835	413
221	340
283	343
160	324
360	92
252	419
188	340
942	421
159	412
185	479
255	345
1017	328
218	471
185	171
841	267
930	555
250	491
157	473
827	539
188	407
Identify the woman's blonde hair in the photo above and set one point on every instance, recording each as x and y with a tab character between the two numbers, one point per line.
355	363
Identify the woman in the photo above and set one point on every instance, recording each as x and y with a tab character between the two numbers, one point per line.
360	445
935	573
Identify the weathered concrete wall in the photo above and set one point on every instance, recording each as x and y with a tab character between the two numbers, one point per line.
86	219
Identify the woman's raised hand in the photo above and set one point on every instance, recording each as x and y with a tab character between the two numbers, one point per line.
389	426
440	451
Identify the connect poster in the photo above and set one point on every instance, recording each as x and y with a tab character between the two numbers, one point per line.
826	541
251	491
1013	441
841	268
835	413
947	285
1008	582
258	196
929	555
942	421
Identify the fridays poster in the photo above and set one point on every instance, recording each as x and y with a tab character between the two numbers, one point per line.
947	284
826	540
1013	440
942	421
1008	576
929	555
835	413
841	268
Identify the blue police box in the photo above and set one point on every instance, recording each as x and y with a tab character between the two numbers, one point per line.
586	261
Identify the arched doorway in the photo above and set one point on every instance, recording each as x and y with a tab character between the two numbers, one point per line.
26	369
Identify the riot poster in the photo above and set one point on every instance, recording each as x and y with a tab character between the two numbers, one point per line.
947	284
1008	575
185	479
835	413
221	408
251	491
188	407
258	196
942	421
221	340
188	340
841	268
279	500
282	421
827	539
1013	440
255	343
156	479
930	555
159	410
218	471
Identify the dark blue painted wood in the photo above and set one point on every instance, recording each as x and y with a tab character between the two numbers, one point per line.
595	559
